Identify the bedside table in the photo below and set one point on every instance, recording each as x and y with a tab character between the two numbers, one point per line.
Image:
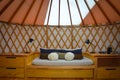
13	66
107	66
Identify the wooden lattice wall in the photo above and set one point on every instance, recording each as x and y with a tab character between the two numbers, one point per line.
13	37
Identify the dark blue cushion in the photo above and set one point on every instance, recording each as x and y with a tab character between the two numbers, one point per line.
75	51
44	52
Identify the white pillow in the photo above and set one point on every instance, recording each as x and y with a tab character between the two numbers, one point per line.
53	56
69	56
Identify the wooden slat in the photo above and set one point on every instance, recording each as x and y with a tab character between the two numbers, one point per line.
70	23
5	39
6	6
17	9
28	11
103	12
14	37
69	13
90	11
59	14
79	12
49	12
113	7
48	23
41	3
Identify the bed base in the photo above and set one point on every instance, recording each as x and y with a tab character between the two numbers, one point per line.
34	72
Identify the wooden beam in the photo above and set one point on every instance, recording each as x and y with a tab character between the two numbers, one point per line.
48	23
79	12
114	8
38	11
69	12
13	15
28	11
102	11
49	12
59	14
90	11
6	6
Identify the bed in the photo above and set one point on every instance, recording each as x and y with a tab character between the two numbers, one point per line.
61	62
60	69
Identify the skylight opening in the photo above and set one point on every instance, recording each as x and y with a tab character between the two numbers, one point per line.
74	13
64	12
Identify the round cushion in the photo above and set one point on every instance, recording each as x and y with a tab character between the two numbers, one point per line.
69	56
53	56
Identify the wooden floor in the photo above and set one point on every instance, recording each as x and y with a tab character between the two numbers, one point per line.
56	79
12	79
51	79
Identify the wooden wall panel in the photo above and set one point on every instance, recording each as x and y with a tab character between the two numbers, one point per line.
13	37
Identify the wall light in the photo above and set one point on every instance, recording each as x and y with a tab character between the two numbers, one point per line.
26	46
87	41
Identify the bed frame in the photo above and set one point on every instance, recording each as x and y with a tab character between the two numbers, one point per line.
34	72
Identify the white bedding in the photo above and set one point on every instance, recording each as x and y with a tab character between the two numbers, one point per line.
83	62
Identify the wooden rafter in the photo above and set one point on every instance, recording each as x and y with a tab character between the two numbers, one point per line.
102	12
79	12
90	11
70	23
113	7
28	11
59	14
69	12
49	12
17	9
6	6
48	23
38	11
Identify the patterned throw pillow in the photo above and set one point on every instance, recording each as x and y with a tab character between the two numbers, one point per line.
44	52
69	56
77	53
53	56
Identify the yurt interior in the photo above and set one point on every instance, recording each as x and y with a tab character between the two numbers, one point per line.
59	39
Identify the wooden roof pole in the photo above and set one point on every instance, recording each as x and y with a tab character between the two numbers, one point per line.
13	15
71	24
38	11
48	23
28	11
69	12
114	8
79	12
6	6
59	14
90	11
102	12
49	12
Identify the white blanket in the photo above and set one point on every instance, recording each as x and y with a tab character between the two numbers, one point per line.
83	62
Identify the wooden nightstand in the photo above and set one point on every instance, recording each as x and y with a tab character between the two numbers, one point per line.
107	66
13	66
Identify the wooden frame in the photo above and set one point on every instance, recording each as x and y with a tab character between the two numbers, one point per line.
60	72
14	36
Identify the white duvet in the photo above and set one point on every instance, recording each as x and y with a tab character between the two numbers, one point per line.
83	62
